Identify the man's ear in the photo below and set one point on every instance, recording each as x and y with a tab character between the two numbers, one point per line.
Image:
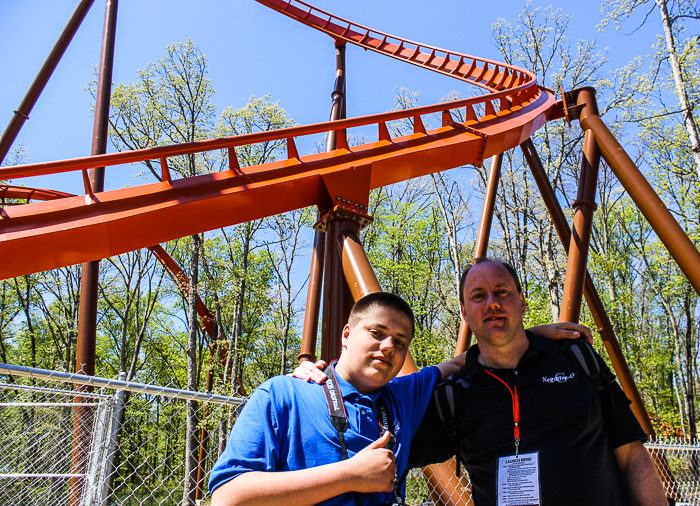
523	302
346	335
461	311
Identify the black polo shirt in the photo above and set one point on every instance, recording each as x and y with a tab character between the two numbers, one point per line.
560	417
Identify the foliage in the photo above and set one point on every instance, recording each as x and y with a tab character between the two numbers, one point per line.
252	277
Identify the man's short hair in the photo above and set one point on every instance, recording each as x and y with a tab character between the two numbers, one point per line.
482	260
368	303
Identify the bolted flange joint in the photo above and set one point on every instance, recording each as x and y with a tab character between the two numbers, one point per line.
345	209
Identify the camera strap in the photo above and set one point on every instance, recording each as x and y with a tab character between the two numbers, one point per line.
339	419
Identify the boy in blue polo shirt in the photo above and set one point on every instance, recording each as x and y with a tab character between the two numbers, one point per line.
285	448
285	426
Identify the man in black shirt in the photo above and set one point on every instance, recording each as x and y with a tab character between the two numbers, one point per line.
530	424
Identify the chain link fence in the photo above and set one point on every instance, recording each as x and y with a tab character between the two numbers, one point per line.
678	459
126	444
122	443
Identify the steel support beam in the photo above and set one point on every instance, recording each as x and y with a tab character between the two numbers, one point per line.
313	296
337	97
652	207
482	237
359	275
22	113
595	305
583	218
87	317
337	297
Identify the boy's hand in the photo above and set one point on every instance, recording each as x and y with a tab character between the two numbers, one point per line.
374	467
311	372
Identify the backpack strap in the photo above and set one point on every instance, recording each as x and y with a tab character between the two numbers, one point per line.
601	377
589	363
444	398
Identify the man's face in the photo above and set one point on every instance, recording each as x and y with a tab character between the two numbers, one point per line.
492	307
374	350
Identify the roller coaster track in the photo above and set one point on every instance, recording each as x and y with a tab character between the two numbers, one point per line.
206	318
74	229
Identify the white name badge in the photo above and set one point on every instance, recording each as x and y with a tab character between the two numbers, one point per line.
519	480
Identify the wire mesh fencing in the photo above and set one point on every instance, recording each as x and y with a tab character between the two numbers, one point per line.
678	461
84	441
121	444
36	433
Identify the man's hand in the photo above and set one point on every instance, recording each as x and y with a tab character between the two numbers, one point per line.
311	372
563	330
374	467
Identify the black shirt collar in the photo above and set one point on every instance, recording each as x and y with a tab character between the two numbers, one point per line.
537	345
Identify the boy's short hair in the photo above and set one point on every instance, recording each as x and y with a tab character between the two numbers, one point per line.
481	260
368	303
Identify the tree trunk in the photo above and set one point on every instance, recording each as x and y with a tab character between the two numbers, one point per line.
686	107
190	485
689	357
553	275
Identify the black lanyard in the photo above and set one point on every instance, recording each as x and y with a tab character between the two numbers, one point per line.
339	420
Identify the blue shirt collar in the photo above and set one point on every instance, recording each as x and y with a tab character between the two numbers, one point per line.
347	390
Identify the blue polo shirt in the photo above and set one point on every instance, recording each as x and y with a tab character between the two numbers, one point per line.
286	426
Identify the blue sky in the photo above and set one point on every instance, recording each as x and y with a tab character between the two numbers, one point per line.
252	51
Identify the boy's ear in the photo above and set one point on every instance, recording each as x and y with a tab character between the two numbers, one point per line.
346	335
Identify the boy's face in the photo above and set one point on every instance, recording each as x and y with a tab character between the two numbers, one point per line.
374	350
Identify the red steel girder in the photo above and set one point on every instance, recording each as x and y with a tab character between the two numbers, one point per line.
487	74
78	229
12	192
207	319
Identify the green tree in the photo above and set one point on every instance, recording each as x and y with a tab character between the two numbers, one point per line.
171	103
680	57
538	42
660	107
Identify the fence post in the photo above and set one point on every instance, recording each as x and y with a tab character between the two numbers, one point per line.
95	469
114	429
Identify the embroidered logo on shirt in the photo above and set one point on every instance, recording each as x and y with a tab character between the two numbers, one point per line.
397	426
560	377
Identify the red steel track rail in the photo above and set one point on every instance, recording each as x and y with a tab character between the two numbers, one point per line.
11	192
487	74
24	193
77	229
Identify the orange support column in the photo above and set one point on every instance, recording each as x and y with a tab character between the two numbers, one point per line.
337	298
583	219
87	318
313	297
482	237
652	207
